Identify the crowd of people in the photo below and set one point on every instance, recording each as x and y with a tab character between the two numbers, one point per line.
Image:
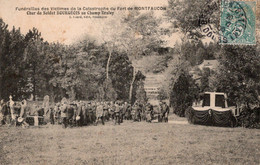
78	113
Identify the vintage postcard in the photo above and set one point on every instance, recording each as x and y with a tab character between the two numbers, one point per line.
129	82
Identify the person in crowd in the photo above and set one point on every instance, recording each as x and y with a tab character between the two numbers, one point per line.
23	114
165	111
148	111
81	114
1	113
106	111
6	113
137	112
124	111
56	111
99	113
11	105
90	112
70	114
64	110
94	107
121	114
112	110
128	112
117	113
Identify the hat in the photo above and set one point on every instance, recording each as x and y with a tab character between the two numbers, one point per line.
77	118
20	119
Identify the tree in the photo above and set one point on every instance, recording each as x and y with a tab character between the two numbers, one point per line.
35	63
186	16
139	93
4	36
143	38
120	72
11	61
238	74
182	94
137	35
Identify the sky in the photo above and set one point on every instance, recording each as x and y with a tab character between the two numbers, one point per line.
59	28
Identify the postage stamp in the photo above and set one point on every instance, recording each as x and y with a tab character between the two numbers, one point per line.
237	22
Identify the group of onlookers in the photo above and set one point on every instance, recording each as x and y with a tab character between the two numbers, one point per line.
79	113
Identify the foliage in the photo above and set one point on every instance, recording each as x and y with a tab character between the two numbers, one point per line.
238	74
138	89
141	94
163	94
182	94
109	91
185	16
11	61
250	118
121	71
142	34
30	65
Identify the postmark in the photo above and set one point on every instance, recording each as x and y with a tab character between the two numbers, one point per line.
237	22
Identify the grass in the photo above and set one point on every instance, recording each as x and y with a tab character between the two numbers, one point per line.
130	143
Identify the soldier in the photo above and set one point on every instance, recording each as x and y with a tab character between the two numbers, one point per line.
117	113
23	114
56	112
137	112
128	112
1	112
160	110
121	114
23	106
11	105
63	114
99	113
6	114
70	115
105	110
148	111
112	110
94	108
90	113
46	109
81	113
124	112
165	111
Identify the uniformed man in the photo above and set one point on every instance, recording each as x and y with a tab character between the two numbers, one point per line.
148	111
112	110
56	112
128	112
90	113
63	114
99	113
105	110
124	112
23	114
11	105
1	112
165	111
121	113
117	113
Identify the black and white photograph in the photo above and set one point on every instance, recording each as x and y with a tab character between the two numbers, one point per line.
129	82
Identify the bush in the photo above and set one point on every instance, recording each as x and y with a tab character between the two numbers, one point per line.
182	94
250	118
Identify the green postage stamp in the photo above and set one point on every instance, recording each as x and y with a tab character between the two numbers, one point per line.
237	22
